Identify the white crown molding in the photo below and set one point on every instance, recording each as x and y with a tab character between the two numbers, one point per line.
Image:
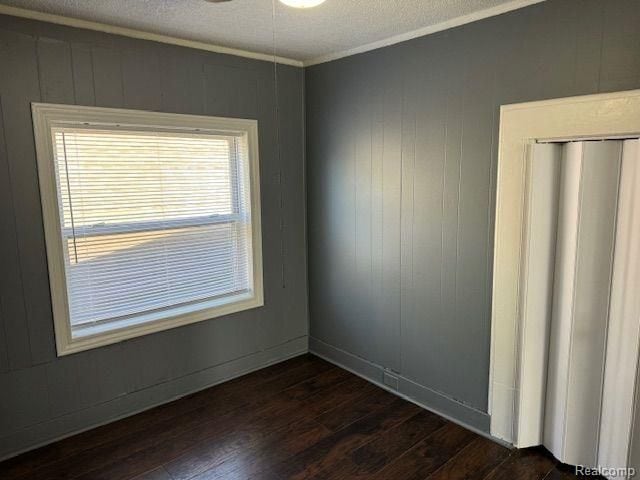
154	37
421	32
128	32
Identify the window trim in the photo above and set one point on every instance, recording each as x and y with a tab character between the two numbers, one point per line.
48	116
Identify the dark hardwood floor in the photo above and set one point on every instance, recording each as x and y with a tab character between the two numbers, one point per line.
300	419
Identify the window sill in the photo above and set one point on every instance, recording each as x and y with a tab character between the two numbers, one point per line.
113	332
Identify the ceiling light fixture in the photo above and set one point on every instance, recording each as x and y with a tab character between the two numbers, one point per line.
302	3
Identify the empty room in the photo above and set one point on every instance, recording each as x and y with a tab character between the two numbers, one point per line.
319	239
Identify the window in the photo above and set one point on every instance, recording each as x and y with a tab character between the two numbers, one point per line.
151	220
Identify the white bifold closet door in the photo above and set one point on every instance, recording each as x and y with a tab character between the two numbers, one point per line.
595	307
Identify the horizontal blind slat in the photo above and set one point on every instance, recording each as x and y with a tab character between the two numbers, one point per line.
151	220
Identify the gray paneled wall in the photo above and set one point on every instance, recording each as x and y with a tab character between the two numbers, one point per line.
401	154
42	396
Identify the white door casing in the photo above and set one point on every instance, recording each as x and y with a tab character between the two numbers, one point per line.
518	361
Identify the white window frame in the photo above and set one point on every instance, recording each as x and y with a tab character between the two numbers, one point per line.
49	116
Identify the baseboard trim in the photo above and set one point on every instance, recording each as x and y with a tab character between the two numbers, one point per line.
464	415
136	402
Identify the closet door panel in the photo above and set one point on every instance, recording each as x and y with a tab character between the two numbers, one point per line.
584	260
624	323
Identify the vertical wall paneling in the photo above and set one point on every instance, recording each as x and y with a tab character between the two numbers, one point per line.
20	84
473	205
391	213
375	325
83	83
619	57
449	328
271	240
107	77
292	204
55	79
223	87
182	82
588	42
24	398
363	220
430	108
6	242
420	322
4	355
14	315
45	397
55	71
407	213
140	78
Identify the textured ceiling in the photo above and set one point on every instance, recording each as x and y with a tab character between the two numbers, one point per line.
335	27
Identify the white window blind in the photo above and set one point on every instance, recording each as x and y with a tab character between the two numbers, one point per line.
150	221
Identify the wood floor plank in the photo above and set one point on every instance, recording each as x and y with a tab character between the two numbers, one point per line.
288	379
341	396
525	464
301	419
217	416
339	417
309	396
247	463
373	456
473	462
428	455
143	452
223	436
156	474
329	450
370	458
240	443
224	397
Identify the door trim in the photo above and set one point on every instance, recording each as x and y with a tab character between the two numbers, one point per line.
515	366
